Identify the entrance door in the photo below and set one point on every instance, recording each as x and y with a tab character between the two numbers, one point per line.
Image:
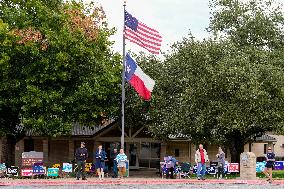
133	159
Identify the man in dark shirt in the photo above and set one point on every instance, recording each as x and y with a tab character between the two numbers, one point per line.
113	156
81	156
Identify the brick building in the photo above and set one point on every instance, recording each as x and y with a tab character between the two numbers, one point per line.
141	149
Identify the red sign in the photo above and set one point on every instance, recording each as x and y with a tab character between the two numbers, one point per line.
233	168
27	172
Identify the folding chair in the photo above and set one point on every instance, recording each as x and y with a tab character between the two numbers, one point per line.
185	170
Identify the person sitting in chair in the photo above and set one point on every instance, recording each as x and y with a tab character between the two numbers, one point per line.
170	163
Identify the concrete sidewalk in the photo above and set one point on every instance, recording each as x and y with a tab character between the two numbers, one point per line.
129	181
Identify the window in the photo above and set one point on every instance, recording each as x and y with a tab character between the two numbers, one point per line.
149	154
176	152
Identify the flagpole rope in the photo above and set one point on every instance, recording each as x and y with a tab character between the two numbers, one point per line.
123	81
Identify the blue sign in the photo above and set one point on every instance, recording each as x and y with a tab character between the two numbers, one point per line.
260	166
38	169
2	167
209	170
279	165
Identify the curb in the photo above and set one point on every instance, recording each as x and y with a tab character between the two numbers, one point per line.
137	182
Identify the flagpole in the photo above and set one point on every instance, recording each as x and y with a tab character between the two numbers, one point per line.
123	82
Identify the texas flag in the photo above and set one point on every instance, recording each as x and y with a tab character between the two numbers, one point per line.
141	82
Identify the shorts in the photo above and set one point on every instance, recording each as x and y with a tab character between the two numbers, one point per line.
269	165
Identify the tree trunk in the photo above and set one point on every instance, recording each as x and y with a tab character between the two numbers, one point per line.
236	148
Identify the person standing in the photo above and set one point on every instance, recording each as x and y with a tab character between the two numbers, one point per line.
114	162
121	159
81	156
201	158
270	159
221	163
100	156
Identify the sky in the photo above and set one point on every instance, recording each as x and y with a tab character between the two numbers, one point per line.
172	18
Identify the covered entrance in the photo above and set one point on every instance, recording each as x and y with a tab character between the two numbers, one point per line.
141	150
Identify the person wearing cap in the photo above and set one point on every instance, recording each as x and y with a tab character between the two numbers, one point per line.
81	156
270	159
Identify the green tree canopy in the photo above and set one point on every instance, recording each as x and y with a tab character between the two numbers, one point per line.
57	66
227	89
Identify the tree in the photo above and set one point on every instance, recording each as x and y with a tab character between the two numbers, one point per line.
228	89
57	66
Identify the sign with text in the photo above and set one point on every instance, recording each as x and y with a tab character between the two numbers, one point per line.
67	167
279	165
29	158
233	168
38	169
52	172
12	171
28	172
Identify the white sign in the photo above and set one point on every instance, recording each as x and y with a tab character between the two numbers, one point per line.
67	167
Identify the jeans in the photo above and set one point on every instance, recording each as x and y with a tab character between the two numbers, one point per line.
201	168
114	169
81	169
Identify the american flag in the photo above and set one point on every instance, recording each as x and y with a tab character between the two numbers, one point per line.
141	34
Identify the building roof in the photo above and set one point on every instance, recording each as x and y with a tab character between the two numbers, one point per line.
78	130
178	136
265	138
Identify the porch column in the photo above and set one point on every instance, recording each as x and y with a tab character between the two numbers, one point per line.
45	151
163	151
71	152
19	149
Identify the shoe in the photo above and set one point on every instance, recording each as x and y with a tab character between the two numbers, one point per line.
203	178
198	178
77	179
84	179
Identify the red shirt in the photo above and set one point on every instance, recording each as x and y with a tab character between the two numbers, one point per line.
202	156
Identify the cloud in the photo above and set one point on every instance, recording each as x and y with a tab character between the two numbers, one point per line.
173	19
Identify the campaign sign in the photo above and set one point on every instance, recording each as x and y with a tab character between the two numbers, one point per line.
12	171
2	167
211	170
38	169
260	166
194	170
279	165
52	172
29	158
28	172
88	167
213	164
233	168
67	167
